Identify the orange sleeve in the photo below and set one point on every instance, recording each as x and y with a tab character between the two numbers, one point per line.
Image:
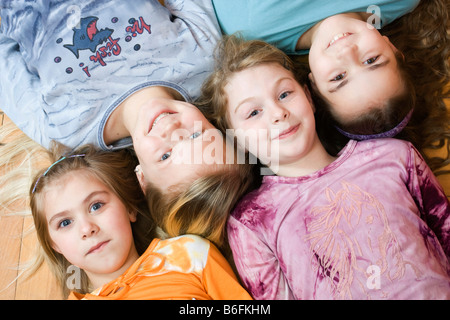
219	279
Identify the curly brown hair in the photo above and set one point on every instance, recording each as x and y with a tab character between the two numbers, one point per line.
423	37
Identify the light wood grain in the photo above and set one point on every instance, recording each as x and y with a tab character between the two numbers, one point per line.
17	247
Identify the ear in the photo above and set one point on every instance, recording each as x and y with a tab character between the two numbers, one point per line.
140	177
55	247
311	78
133	216
394	48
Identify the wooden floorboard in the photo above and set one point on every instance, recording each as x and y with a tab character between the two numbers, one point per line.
10	242
17	248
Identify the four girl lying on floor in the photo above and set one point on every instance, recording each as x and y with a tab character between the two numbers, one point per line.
333	213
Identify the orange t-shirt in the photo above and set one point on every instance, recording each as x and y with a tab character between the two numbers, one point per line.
184	267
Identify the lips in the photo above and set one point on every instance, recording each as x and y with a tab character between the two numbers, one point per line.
288	132
159	117
97	247
338	37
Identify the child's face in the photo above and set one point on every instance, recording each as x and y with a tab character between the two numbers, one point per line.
89	225
353	66
175	143
267	102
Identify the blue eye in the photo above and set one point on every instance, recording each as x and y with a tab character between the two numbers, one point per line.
283	95
64	223
96	206
195	135
253	113
166	156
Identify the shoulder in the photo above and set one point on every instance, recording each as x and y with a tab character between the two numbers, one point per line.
386	152
254	200
387	145
187	241
259	206
187	252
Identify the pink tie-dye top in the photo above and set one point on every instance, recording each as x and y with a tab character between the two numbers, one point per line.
374	224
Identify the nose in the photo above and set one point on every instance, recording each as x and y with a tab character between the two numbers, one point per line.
278	113
169	128
347	52
88	228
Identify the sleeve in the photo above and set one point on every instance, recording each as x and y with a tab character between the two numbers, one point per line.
219	279
20	96
257	264
431	199
199	15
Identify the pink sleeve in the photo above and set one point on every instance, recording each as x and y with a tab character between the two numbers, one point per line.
430	199
258	266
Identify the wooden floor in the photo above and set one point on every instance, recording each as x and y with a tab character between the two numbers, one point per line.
17	247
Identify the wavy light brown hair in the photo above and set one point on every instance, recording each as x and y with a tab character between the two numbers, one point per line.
203	206
116	171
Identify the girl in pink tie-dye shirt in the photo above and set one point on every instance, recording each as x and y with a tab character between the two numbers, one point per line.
370	223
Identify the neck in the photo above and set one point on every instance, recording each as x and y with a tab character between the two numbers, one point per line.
307	38
122	120
316	159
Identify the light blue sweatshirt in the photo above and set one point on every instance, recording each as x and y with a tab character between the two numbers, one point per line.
66	65
281	23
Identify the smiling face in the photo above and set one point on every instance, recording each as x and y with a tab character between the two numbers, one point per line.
266	100
90	226
353	66
175	143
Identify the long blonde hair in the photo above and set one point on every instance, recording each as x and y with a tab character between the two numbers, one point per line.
202	207
116	171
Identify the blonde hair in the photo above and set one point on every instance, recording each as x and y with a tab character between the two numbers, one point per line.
20	159
116	171
202	207
235	54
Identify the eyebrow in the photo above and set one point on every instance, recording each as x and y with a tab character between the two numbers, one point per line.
371	68
241	103
250	98
86	200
